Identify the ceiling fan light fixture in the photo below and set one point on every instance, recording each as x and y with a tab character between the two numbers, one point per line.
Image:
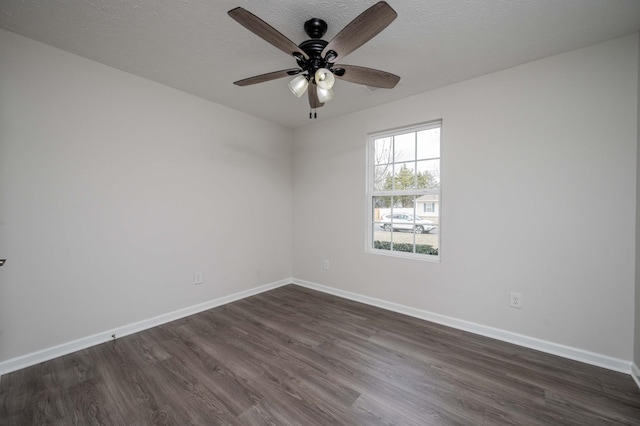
298	85
324	95
324	78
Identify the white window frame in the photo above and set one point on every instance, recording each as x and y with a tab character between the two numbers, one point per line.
371	193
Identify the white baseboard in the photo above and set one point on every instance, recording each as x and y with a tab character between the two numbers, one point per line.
47	354
575	354
635	373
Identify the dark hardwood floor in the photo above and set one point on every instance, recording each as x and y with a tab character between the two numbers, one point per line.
296	356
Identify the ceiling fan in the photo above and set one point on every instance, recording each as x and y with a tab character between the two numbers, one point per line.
316	58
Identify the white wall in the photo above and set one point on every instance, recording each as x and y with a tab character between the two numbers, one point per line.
558	133
114	190
636	351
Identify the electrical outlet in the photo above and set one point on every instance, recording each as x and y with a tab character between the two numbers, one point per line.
325	265
197	277
515	300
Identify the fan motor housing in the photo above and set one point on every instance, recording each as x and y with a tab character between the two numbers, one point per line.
315	28
313	47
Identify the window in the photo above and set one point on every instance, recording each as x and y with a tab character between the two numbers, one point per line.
403	192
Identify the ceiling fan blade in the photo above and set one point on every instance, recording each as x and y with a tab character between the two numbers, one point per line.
267	77
362	29
265	31
367	76
313	96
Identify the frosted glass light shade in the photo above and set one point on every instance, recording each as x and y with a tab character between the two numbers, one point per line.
324	95
324	78
298	85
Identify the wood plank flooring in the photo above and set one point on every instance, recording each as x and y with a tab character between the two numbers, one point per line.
296	356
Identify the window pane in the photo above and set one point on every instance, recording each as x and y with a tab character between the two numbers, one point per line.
404	147
382	178
381	231
428	142
428	175
383	152
404	247
404	224
381	207
427	243
381	238
428	205
404	176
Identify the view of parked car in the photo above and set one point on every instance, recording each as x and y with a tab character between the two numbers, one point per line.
406	222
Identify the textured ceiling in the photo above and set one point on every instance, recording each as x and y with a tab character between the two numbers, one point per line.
193	46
